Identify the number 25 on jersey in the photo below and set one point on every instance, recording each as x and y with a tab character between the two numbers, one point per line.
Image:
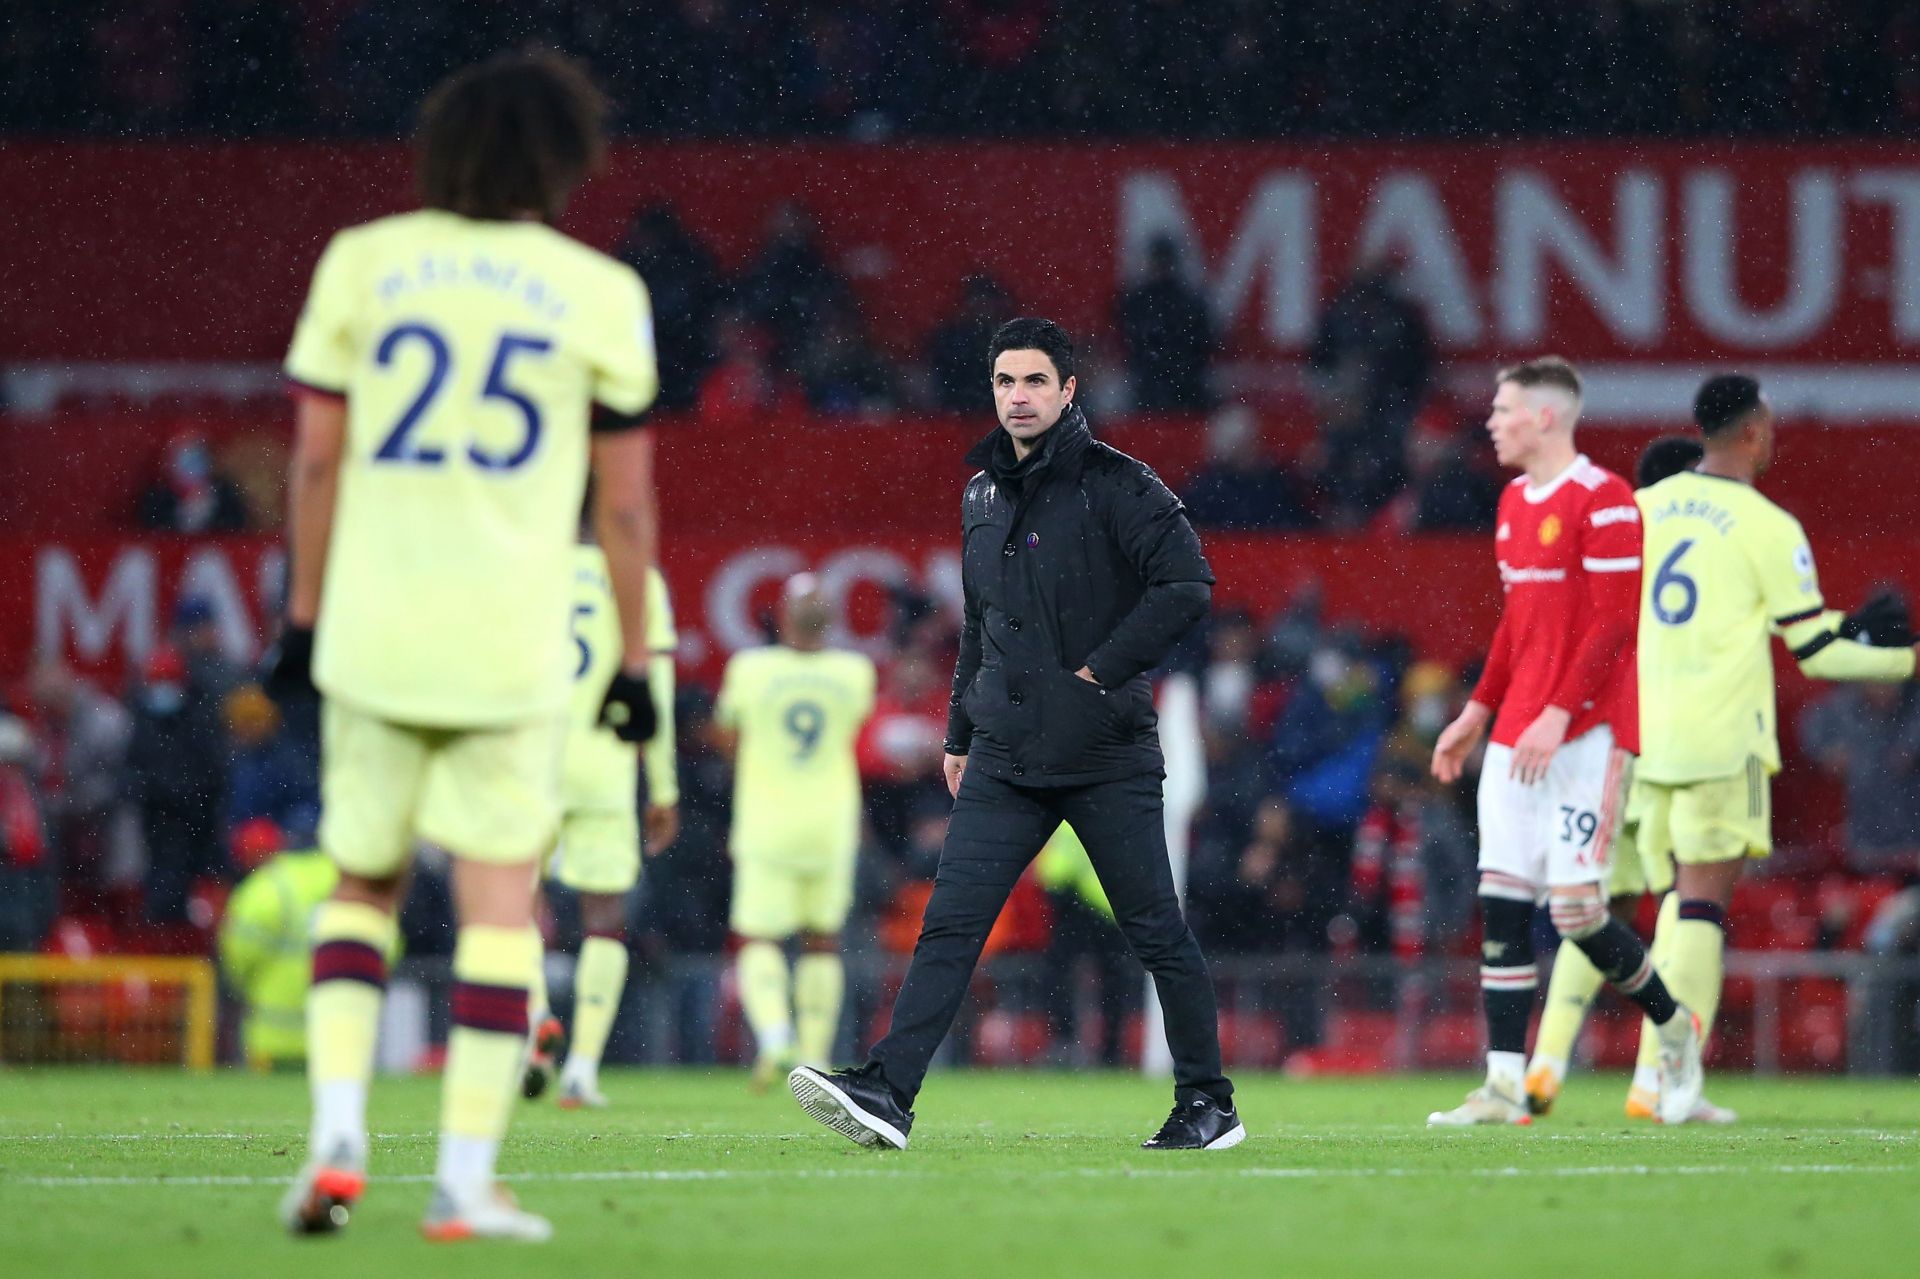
400	446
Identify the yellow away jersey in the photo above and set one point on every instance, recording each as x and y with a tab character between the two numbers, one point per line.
600	770
796	786
1724	568
470	354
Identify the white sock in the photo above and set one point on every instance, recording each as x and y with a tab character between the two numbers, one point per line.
1646	1078
580	1074
1507	1070
340	1121
465	1167
1555	1066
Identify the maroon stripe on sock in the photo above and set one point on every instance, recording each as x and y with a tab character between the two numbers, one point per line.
500	1009
1705	912
611	934
349	961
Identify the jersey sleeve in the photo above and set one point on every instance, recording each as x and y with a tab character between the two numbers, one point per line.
324	348
1610	544
1783	564
661	635
869	683
726	707
626	375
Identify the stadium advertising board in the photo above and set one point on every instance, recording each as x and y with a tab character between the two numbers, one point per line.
1644	263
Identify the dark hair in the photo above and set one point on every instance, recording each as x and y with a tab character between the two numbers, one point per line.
511	135
1724	401
1031	334
1545	370
1667	457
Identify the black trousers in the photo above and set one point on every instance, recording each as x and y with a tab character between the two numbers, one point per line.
996	830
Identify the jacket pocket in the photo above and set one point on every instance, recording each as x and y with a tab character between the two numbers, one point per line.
1081	721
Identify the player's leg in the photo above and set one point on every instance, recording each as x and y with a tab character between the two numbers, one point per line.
546	1036
491	799
1586	785
1716	827
1571	989
1575	981
1512	866
764	914
819	975
993	835
599	981
819	986
1123	826
599	861
370	777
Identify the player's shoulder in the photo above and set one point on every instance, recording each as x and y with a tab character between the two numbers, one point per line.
581	259
1591	484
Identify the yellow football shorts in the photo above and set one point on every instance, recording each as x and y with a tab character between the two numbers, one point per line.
1637	869
599	850
774	900
489	795
1721	819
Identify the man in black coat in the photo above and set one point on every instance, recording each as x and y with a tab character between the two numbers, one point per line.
1080	572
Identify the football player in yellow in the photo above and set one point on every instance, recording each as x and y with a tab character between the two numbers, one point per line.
1575	981
599	852
791	713
1726	570
452	362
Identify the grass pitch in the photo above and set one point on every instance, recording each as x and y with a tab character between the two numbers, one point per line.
124	1174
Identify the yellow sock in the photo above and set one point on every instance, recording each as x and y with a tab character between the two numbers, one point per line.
764	997
818	982
1570	993
351	942
492	970
597	982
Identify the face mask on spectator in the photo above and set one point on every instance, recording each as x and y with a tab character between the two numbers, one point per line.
165	699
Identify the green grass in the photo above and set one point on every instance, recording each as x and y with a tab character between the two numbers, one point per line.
119	1173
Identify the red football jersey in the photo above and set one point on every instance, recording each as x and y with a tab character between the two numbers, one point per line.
1569	555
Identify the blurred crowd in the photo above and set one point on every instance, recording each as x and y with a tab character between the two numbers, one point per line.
873	69
125	821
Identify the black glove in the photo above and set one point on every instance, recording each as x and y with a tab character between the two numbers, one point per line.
1881	622
286	670
628	708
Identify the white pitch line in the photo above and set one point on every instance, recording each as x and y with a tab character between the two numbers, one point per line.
1124	1174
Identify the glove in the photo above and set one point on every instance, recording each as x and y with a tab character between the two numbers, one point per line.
286	669
1881	622
628	708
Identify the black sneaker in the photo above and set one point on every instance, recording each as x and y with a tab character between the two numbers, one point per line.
857	1104
1200	1124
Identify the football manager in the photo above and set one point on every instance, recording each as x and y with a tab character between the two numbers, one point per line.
1080	572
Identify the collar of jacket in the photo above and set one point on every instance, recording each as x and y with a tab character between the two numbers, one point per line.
1061	449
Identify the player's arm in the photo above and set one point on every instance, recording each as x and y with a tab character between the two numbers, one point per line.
660	757
1813	633
725	731
626	523
320	363
1610	562
1458	739
1152	531
1824	653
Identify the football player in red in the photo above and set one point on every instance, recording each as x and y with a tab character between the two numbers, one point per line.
1559	694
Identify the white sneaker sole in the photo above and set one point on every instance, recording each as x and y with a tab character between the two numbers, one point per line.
826	1102
1228	1139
